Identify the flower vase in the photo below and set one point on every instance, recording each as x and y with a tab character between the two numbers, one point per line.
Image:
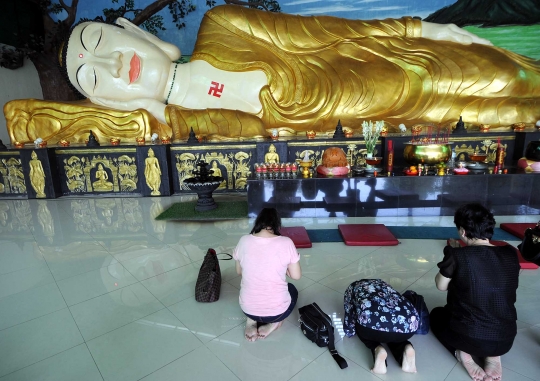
369	155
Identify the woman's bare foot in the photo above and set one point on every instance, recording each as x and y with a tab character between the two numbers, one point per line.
493	368
251	330
380	360
408	364
265	330
474	370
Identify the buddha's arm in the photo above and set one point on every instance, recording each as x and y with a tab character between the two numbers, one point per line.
213	123
313	32
310	31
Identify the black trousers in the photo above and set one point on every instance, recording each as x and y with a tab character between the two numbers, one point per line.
439	321
396	341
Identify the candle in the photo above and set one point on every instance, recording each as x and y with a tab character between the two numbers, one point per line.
390	157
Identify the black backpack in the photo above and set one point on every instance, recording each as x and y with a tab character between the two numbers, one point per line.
420	306
530	245
317	326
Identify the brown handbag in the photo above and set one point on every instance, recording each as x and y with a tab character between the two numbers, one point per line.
208	283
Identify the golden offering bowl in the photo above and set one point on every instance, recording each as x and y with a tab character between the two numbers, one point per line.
484	127
64	143
43	144
115	141
427	153
348	133
18	144
140	140
518	126
165	140
306	165
384	131
310	134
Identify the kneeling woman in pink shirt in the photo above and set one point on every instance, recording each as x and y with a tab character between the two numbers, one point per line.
264	258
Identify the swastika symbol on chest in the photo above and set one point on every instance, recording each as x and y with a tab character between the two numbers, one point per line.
216	89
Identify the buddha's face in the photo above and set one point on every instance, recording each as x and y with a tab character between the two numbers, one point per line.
105	61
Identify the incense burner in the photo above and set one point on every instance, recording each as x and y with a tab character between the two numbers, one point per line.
427	153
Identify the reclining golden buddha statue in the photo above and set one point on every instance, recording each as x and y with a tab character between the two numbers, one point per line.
254	71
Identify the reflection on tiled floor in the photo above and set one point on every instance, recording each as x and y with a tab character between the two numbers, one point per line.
96	289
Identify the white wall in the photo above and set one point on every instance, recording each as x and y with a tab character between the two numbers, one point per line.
17	84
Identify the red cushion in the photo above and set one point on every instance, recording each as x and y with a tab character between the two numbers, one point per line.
299	236
367	235
524	264
517	229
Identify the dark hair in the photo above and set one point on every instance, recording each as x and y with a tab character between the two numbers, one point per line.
477	221
267	218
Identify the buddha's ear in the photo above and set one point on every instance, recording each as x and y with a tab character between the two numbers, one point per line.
171	50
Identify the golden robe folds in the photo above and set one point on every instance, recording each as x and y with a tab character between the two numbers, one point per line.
322	69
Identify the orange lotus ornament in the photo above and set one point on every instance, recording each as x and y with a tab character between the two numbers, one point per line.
485	127
311	134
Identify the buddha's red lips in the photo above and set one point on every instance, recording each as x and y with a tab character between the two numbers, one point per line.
134	68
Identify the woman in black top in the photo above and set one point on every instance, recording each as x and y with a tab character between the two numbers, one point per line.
479	318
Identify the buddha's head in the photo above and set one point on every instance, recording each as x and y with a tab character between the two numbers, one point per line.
151	152
272	148
117	61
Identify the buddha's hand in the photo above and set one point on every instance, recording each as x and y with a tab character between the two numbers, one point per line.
153	106
451	32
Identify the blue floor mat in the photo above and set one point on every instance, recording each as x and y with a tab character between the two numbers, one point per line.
407	232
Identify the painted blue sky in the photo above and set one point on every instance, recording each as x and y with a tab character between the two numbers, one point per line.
361	9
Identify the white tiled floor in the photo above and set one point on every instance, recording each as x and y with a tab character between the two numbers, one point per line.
89	294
